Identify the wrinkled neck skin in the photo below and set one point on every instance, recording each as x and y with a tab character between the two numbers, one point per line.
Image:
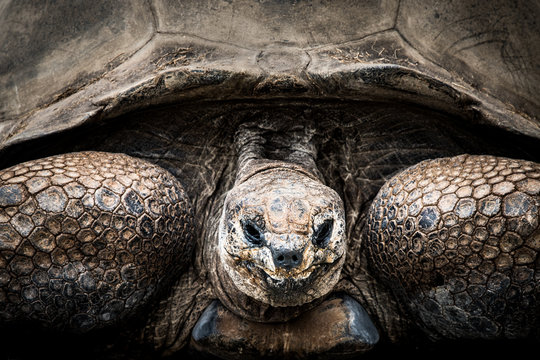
280	243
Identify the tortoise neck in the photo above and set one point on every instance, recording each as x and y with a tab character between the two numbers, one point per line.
256	166
261	148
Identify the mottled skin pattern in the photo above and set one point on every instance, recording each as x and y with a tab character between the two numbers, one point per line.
297	251
88	238
458	240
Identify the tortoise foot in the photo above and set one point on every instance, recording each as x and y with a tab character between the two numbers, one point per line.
338	326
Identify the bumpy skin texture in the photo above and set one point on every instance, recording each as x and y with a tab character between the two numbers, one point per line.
288	209
272	279
458	239
88	238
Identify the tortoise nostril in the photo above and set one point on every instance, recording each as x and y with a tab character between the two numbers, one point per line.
287	259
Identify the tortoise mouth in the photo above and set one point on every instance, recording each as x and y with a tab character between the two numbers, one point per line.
260	274
287	283
284	288
284	291
278	278
281	275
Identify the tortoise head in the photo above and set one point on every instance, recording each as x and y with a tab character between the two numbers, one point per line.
282	237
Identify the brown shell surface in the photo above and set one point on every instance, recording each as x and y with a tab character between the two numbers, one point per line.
469	55
458	240
86	238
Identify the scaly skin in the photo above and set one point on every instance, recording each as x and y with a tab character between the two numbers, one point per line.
458	239
88	238
287	208
463	262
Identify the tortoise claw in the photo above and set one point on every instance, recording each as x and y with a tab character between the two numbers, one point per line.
338	326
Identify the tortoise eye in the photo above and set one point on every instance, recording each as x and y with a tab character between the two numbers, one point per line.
253	234
321	236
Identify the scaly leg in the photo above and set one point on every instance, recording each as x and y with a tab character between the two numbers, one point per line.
87	238
457	239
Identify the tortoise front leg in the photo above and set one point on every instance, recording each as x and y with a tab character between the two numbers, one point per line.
88	238
457	239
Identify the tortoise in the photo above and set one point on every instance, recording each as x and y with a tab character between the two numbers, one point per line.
328	180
